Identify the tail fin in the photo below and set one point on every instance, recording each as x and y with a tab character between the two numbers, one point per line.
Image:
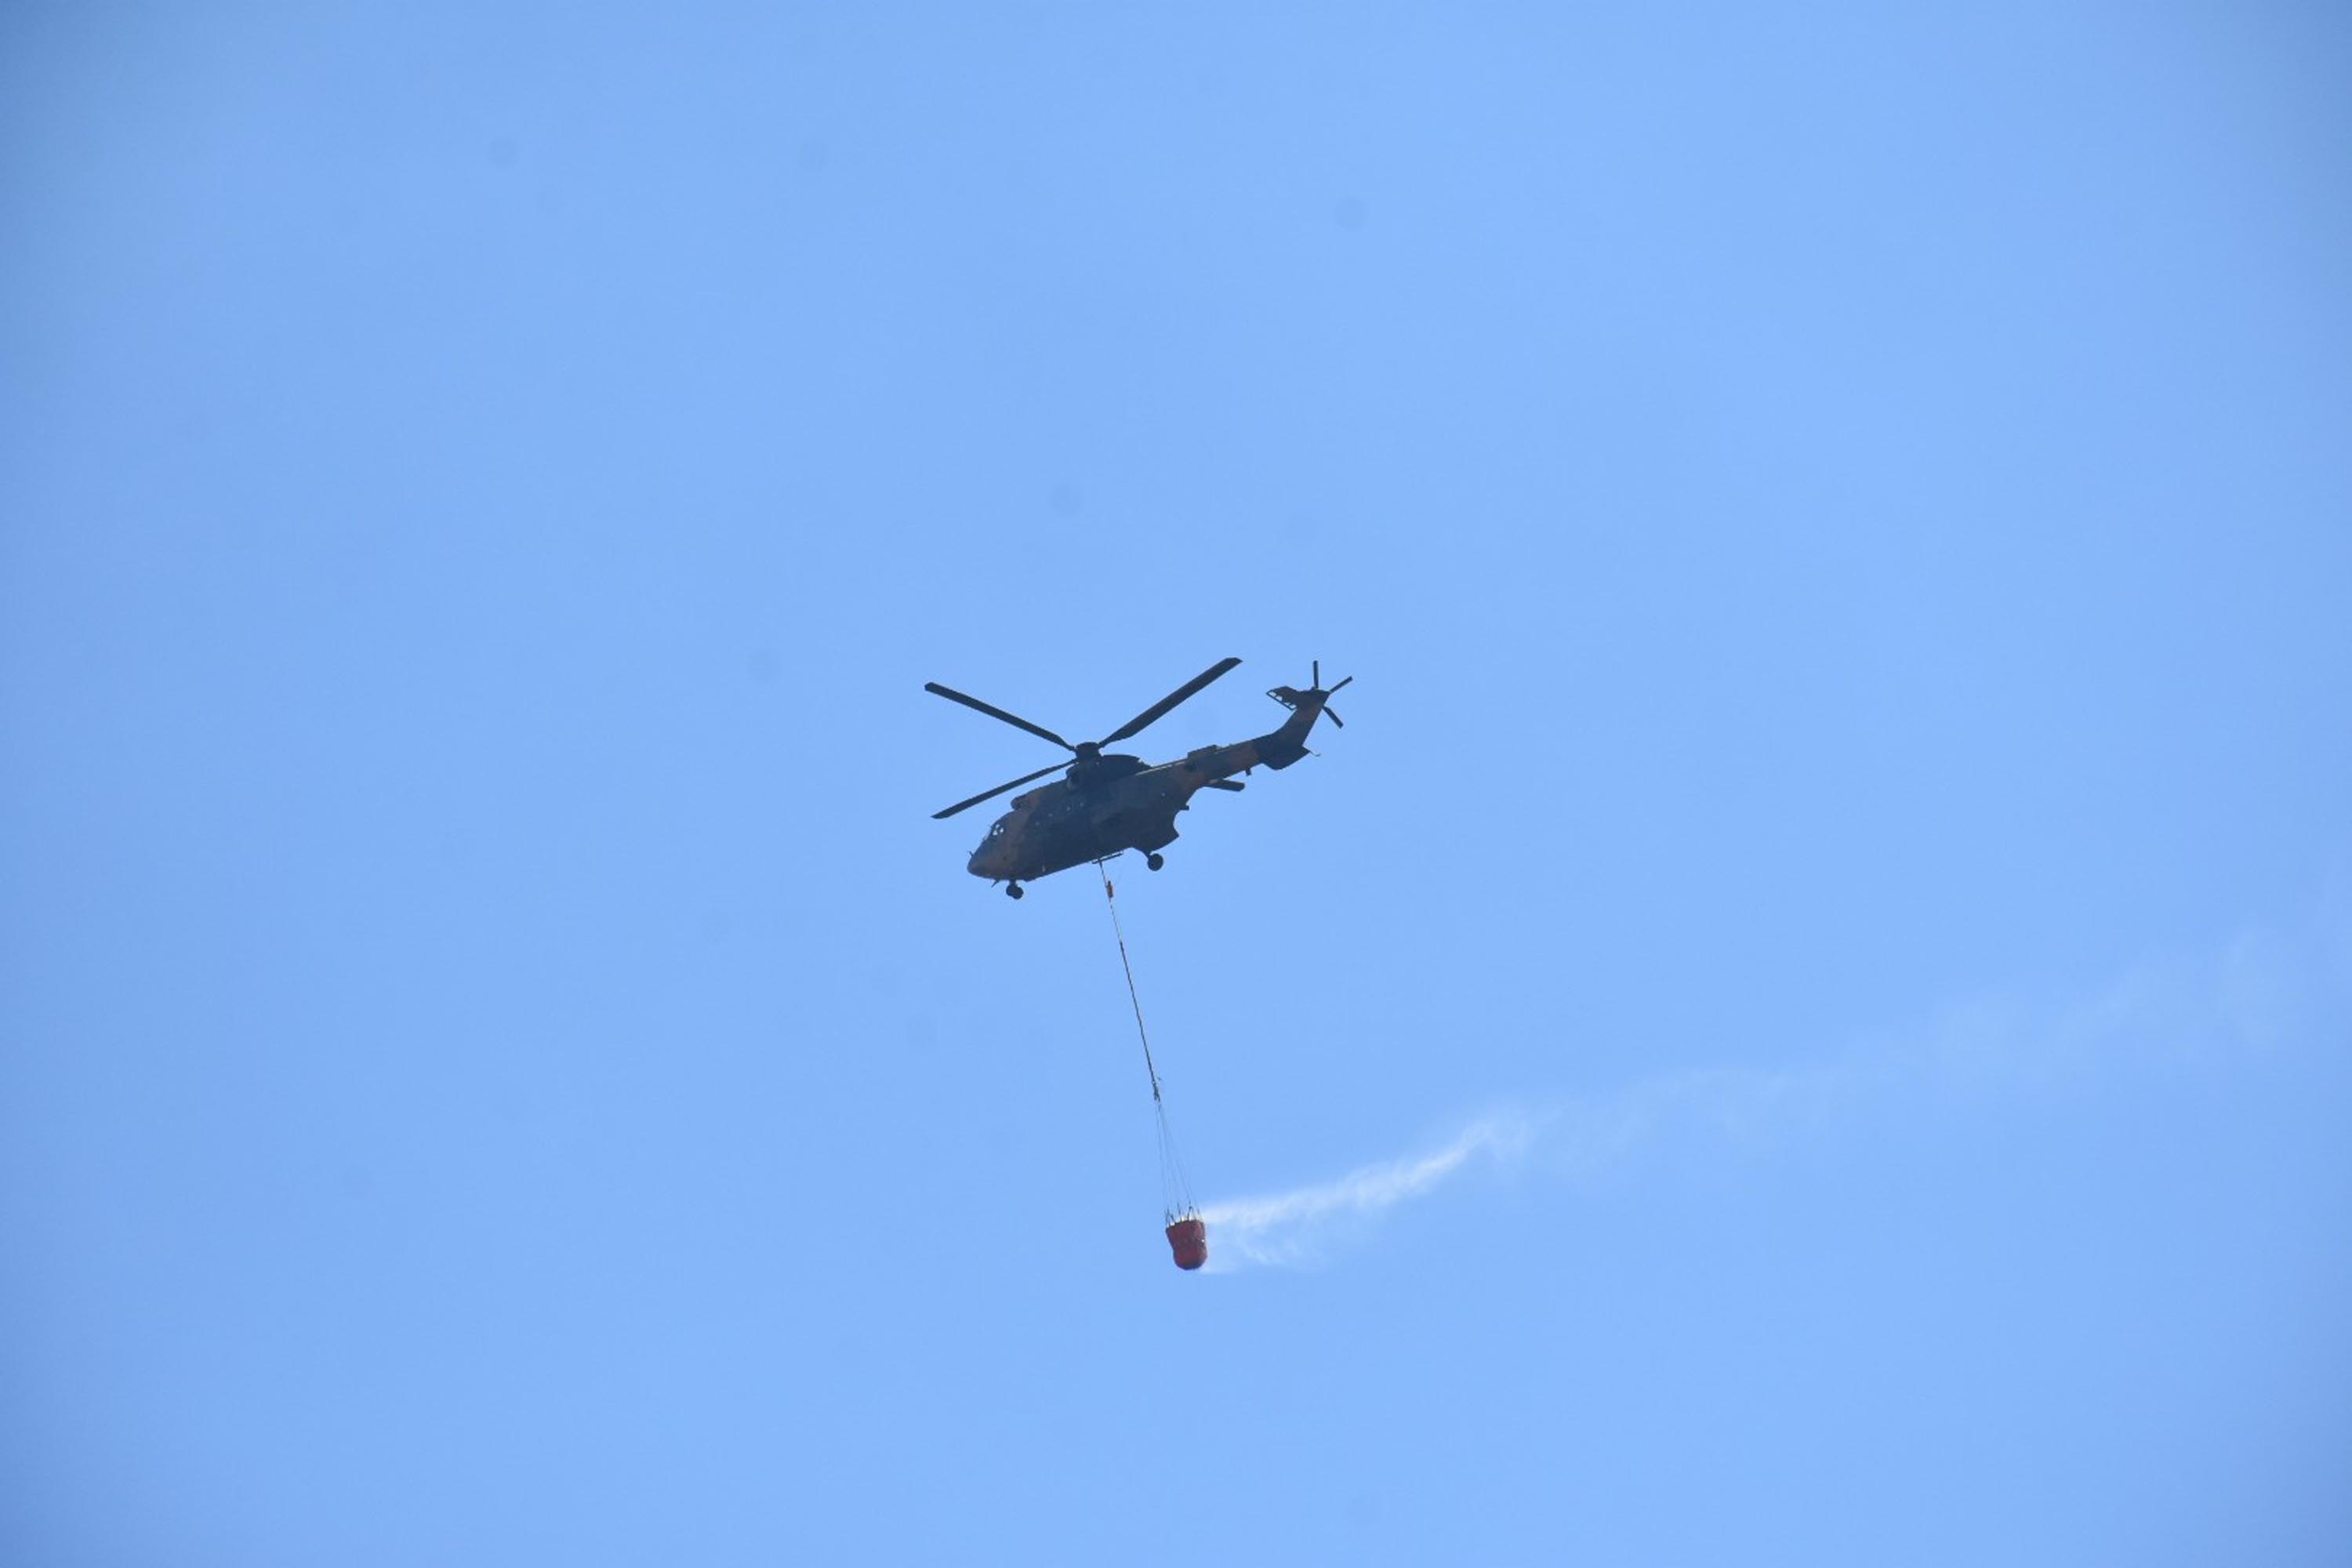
1287	745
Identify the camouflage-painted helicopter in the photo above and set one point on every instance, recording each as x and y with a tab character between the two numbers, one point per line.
1109	802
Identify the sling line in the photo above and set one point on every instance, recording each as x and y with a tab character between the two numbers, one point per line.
1175	1191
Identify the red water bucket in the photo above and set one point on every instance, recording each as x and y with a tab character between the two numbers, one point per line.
1189	1238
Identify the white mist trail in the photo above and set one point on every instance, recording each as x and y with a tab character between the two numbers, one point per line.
2253	997
1283	1226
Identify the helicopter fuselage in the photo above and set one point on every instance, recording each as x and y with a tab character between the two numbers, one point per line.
1114	802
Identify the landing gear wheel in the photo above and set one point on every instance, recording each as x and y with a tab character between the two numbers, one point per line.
1155	859
1014	890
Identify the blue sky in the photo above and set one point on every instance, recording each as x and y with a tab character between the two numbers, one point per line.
1803	1019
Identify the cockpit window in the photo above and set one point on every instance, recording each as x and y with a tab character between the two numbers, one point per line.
997	831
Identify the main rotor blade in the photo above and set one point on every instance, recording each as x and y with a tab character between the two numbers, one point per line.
1015	719
1150	715
1000	789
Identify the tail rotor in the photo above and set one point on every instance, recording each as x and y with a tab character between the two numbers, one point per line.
1330	694
1292	698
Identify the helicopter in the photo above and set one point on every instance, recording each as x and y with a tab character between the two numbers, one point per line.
1109	802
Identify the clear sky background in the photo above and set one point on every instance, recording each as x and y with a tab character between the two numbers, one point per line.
1807	1018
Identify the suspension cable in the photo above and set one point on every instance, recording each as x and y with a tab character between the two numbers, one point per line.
1135	1000
1175	1191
